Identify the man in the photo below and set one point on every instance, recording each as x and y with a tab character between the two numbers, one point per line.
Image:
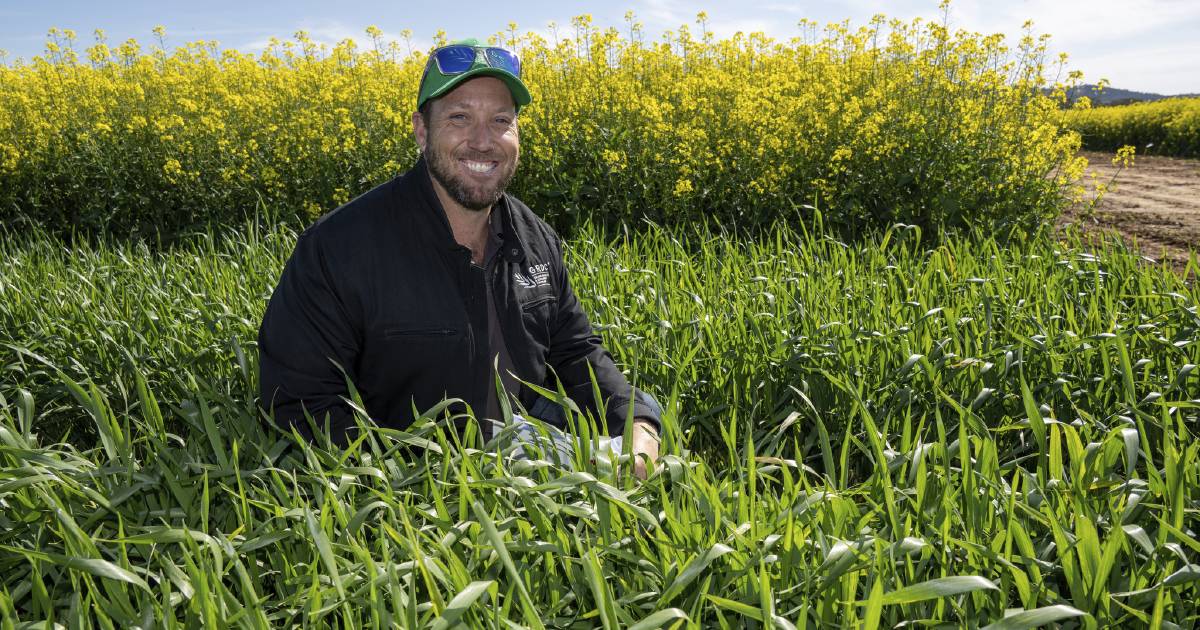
416	289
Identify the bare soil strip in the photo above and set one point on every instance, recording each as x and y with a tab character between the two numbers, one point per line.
1155	204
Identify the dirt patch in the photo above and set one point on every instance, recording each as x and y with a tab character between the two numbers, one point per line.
1154	205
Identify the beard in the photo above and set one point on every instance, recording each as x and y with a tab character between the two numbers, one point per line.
470	195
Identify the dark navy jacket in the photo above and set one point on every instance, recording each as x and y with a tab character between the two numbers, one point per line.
379	292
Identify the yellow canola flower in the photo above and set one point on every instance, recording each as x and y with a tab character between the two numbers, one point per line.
894	121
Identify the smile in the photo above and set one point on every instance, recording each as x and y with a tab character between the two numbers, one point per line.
480	167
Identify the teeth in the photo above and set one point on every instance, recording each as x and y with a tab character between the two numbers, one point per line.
479	167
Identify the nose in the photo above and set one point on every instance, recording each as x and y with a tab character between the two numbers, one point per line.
479	136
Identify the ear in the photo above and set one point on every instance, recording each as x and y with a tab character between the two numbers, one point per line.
419	131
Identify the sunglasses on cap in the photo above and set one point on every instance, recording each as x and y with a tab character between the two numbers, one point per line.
459	58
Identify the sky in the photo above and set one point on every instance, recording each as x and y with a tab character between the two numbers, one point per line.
1144	45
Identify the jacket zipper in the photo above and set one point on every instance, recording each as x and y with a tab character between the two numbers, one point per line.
470	326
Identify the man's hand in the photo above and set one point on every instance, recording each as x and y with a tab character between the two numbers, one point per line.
644	441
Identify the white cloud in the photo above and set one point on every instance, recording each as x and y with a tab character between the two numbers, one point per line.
329	34
723	28
1137	44
1077	22
665	14
1164	69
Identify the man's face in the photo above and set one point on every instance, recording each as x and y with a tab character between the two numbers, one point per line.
470	141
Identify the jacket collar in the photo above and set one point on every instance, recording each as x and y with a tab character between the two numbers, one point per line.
512	249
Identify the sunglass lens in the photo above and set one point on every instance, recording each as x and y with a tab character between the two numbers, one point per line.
454	59
504	60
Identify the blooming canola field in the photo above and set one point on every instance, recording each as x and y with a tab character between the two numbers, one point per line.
890	122
1166	127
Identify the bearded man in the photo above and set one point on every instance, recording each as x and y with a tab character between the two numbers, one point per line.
433	284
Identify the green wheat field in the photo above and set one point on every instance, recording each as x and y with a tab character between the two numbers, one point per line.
973	432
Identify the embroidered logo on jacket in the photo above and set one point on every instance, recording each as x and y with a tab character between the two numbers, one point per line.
537	276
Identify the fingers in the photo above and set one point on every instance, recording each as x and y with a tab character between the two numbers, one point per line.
644	463
644	449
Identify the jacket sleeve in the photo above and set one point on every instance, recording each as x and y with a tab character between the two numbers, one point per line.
305	342
574	346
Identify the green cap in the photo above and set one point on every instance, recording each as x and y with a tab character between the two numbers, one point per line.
434	84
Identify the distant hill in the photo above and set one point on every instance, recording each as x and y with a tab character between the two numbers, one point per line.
1116	96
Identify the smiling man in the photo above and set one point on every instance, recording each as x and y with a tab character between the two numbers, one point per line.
433	284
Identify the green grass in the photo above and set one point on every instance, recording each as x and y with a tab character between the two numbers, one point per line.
856	436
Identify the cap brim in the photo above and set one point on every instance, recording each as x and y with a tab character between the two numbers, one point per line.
516	87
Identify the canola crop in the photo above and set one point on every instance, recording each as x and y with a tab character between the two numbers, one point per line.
889	122
1166	127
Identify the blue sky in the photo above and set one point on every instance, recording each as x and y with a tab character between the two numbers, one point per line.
1149	45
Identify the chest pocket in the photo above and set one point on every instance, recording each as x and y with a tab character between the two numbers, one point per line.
418	332
426	345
